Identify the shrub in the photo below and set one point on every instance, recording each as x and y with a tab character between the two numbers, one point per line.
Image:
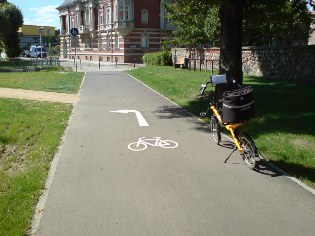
54	51
162	58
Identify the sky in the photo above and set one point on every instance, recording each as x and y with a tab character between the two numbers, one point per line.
39	12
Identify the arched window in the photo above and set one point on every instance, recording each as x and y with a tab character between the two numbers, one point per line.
144	16
100	17
108	15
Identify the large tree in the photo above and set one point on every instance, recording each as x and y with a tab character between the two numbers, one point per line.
231	22
11	19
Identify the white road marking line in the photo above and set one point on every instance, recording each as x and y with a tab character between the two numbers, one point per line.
141	120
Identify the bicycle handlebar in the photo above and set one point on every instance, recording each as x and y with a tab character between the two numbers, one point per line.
219	79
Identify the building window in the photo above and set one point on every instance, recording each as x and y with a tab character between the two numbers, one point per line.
128	11
144	40
123	10
71	22
108	15
100	17
77	21
144	16
82	18
116	41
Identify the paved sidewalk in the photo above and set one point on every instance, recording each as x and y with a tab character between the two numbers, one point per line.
38	95
102	187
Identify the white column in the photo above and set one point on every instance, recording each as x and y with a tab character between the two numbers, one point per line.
91	18
67	23
61	27
79	19
87	16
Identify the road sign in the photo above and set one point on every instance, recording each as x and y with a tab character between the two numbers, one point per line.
74	31
75	41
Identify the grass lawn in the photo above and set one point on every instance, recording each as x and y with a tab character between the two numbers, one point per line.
283	128
30	133
50	81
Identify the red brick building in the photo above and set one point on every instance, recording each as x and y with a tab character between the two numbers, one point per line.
111	30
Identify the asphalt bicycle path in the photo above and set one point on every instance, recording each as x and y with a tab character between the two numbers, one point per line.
101	187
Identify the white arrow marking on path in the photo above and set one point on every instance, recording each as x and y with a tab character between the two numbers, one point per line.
141	120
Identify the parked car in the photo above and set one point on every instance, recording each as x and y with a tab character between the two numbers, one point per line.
27	53
38	51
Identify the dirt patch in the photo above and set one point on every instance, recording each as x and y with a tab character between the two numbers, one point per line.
38	95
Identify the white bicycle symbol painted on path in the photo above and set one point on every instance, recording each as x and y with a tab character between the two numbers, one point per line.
143	143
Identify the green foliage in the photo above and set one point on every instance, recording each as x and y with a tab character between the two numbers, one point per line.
189	18
276	22
162	58
264	22
11	19
212	26
54	51
11	43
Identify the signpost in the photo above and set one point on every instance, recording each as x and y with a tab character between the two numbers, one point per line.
75	43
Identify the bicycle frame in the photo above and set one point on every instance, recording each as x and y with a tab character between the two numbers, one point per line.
243	142
150	141
230	127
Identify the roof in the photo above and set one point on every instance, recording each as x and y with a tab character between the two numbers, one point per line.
66	3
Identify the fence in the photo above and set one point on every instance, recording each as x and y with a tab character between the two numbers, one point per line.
295	63
24	65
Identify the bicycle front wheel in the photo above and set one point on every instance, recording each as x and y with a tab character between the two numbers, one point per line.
249	150
136	146
215	129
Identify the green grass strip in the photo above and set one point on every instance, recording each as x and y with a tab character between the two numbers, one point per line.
50	81
30	133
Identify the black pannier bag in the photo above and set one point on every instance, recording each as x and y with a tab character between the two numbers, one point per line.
238	105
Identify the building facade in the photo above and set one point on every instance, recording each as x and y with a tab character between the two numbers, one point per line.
35	35
113	30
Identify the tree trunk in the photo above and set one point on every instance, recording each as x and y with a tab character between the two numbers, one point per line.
231	39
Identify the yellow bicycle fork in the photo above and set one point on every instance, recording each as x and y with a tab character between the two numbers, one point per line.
231	127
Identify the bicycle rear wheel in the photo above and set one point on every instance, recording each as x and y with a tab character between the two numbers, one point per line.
215	129
249	149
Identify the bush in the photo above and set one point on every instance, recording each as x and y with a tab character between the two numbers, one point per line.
163	58
54	51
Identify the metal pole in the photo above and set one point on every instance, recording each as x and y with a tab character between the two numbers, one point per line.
212	67
40	42
75	56
134	62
